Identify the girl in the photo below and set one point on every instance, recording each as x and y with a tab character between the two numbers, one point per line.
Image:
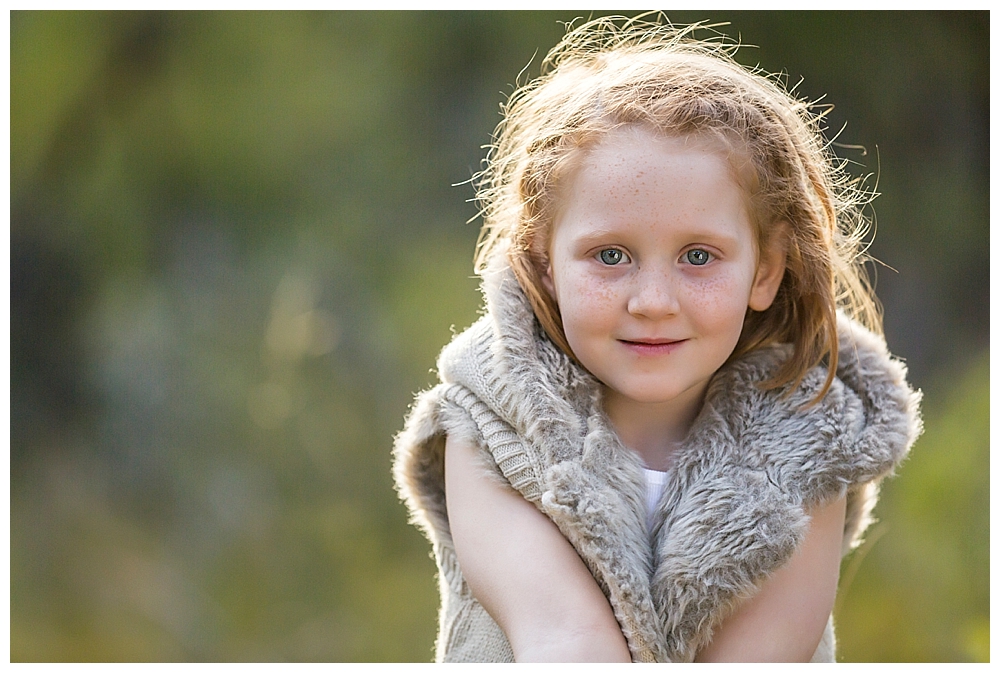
672	419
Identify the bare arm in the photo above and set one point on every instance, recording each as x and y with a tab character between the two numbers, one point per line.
786	619
523	571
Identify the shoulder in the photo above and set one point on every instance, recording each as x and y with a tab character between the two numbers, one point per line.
857	432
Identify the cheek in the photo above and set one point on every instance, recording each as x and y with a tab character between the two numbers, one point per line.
720	299
585	303
580	287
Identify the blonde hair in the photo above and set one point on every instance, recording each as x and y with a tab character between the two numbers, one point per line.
613	72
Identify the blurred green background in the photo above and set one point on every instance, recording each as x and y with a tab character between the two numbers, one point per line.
236	249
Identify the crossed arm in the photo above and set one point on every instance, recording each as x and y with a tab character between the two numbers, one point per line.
532	582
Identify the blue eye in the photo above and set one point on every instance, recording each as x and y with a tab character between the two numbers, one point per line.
697	257
612	256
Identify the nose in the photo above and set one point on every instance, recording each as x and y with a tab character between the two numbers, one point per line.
654	295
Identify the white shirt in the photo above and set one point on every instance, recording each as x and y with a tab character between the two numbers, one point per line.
656	481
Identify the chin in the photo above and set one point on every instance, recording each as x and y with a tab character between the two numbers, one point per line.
652	396
657	393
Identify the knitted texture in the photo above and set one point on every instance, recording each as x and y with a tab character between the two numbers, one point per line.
734	506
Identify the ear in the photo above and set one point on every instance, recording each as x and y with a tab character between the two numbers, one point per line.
547	282
770	271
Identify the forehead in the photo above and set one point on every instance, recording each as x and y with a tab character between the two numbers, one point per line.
591	152
635	146
649	138
637	166
596	150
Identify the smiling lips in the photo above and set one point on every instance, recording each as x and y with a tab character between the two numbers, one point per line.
652	346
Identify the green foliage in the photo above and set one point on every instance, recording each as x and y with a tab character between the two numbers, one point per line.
921	591
236	250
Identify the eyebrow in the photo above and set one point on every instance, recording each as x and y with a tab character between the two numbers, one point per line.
702	233
597	234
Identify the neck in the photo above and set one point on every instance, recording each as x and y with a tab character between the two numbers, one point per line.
653	430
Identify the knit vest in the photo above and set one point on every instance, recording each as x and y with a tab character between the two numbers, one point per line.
734	506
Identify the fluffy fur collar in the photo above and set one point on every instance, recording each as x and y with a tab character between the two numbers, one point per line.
734	506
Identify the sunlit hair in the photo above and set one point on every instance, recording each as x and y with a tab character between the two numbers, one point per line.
615	72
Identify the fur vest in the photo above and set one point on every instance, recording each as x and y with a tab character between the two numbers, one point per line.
733	509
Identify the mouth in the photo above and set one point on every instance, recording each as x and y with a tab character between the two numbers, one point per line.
652	346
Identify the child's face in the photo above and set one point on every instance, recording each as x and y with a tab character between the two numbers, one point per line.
653	264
